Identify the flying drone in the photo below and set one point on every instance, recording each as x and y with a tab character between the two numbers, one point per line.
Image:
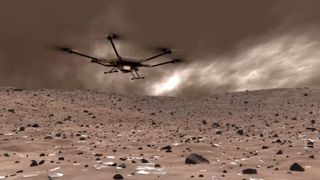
125	65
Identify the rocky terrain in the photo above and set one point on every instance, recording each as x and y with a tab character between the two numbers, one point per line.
75	135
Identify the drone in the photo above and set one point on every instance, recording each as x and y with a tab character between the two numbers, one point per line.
123	64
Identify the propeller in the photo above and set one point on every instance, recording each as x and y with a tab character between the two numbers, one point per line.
177	60
113	36
163	49
63	49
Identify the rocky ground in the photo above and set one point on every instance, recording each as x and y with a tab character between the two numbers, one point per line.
75	135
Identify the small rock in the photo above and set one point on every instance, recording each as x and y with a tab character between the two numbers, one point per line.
196	159
33	163
240	132
296	167
41	162
35	125
118	176
249	171
279	152
215	125
144	161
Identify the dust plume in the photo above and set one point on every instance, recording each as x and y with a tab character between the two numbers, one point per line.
227	45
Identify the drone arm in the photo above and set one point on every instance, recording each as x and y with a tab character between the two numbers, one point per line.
83	55
160	64
93	59
156	56
113	46
97	62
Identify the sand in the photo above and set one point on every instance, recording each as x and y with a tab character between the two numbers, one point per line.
94	135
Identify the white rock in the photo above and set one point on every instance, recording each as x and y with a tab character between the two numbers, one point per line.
56	175
30	175
110	157
54	169
142	172
108	163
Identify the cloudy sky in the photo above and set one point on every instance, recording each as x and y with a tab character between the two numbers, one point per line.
228	45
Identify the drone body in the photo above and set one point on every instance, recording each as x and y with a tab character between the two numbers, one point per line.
125	65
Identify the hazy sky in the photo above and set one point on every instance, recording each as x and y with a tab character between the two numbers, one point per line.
229	45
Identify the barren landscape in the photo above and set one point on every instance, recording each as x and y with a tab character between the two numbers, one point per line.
76	134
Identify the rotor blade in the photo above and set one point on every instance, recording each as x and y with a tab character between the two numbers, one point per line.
110	38
69	50
102	62
63	49
114	36
168	62
164	52
162	49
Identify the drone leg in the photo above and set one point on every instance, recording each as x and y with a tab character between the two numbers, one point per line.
134	77
139	77
112	70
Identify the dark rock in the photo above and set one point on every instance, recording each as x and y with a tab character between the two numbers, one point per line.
144	161
296	167
33	163
225	171
279	152
215	125
249	171
311	129
196	159
166	148
114	165
122	165
240	132
35	125
48	137
123	158
118	176
168	151
41	162
22	128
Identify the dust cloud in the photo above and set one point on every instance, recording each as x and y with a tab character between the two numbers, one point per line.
227	45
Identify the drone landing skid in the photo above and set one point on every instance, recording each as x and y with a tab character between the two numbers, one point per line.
137	76
113	70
